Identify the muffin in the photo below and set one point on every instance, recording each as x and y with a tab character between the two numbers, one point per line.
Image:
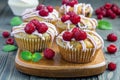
78	8
41	13
71	20
79	46
34	35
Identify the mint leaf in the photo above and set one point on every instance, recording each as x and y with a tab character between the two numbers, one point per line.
104	25
36	57
8	48
26	55
15	21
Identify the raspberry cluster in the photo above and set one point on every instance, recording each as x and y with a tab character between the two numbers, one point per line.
44	10
72	16
70	2
35	25
108	10
76	33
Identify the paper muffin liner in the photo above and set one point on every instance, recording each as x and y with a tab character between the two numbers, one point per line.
40	19
33	44
77	55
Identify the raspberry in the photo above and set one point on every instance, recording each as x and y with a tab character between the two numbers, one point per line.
65	18
30	28
67	36
72	3
79	35
35	22
65	1
112	37
10	41
5	34
71	13
111	66
118	12
44	12
103	12
115	9
109	12
49	53
97	11
50	8
115	5
102	8
39	7
113	16
108	5
111	49
75	19
99	16
42	28
75	29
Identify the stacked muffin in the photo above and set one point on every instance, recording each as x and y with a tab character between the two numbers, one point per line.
77	40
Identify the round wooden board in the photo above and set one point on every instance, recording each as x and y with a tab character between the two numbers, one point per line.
60	68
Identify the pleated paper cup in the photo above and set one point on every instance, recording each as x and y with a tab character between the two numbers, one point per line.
33	44
77	55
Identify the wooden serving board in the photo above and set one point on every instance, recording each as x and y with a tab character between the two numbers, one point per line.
60	68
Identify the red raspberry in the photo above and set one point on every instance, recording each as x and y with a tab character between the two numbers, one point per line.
71	13
49	53
42	28
79	35
99	16
35	22
75	29
39	7
75	19
112	37
5	34
10	41
44	12
67	36
109	12
97	11
65	1
118	12
30	28
50	8
72	3
115	9
65	18
102	8
76	1
108	5
111	66
115	5
111	49
103	12
113	16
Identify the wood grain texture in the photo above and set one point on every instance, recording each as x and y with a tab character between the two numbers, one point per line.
6	15
60	68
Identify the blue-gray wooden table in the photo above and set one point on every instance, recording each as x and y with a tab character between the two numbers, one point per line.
7	64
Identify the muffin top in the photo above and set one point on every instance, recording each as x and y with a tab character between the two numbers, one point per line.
71	18
46	12
79	39
34	29
78	8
